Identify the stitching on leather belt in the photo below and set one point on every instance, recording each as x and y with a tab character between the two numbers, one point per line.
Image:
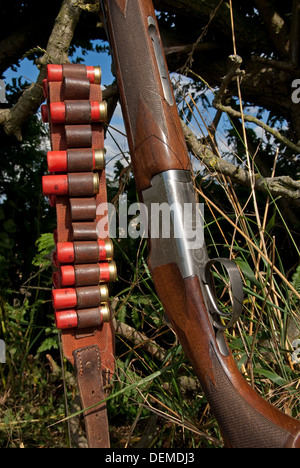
85	350
80	360
87	333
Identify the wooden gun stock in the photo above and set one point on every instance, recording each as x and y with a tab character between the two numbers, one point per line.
157	146
245	419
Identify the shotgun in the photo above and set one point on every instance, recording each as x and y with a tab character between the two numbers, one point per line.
180	267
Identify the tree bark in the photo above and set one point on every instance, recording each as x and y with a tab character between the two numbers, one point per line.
56	52
249	32
267	85
283	186
275	26
264	85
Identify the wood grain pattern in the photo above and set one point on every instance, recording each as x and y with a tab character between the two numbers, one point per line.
246	420
153	127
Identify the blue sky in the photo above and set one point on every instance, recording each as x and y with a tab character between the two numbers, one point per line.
116	142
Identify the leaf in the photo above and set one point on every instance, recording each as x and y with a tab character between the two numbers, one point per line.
122	314
10	226
45	245
48	343
271	223
271	376
247	271
296	279
135	318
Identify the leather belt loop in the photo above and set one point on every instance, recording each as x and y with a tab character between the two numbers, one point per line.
75	88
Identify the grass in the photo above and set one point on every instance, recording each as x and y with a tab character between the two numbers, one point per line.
156	400
150	387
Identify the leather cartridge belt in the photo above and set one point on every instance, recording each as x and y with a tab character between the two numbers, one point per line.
83	258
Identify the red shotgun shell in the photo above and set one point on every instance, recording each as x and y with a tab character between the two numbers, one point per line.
56	280
45	88
106	249
67	274
104	272
75	160
44	113
96	112
65	252
77	184
54	259
55	184
64	298
107	273
55	236
52	200
58	112
69	318
94	74
66	319
57	161
55	73
89	296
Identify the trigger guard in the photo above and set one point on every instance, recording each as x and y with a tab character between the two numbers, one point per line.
236	288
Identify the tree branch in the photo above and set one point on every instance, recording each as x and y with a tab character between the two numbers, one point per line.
275	26
56	52
250	118
217	103
236	62
295	34
140	340
283	186
248	30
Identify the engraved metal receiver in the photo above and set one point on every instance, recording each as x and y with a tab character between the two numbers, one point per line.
175	223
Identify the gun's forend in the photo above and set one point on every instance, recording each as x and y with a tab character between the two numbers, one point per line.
153	127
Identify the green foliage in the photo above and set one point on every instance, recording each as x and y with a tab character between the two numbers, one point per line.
30	399
24	213
296	280
45	245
